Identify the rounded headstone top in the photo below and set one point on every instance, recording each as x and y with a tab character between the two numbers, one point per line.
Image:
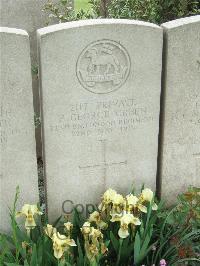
181	22
91	22
13	31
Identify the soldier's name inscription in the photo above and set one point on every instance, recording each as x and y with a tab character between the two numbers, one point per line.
103	117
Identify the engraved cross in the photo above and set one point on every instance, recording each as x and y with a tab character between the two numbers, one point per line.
104	165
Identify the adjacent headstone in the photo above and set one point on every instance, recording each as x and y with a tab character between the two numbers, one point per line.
17	150
100	87
181	120
28	15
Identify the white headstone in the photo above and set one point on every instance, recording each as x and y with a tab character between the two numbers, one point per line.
181	121
28	15
17	150
100	86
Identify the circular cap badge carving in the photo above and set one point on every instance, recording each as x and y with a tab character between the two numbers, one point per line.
103	66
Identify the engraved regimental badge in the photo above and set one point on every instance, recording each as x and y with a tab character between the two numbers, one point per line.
103	66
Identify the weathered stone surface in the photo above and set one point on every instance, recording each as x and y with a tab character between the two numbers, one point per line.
181	125
17	150
27	15
100	86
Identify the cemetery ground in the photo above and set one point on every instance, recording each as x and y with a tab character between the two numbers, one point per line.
146	234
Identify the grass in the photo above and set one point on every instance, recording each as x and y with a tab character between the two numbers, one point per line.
81	4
